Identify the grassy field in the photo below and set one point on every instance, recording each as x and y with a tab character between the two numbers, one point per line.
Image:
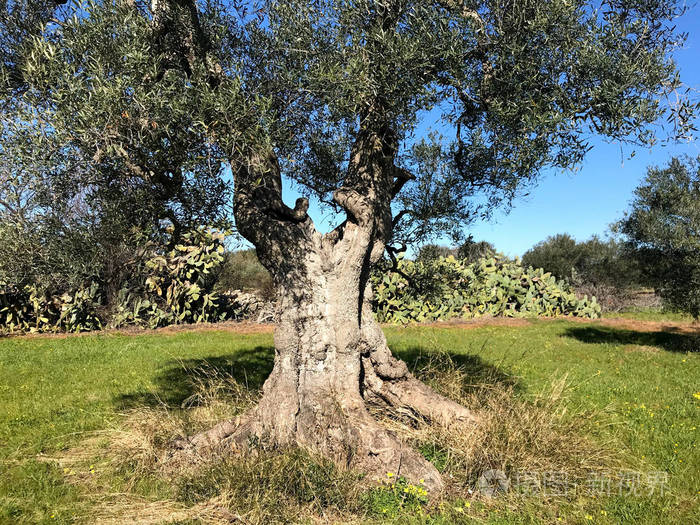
602	415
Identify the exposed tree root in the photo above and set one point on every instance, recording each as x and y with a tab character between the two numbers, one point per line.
388	384
343	429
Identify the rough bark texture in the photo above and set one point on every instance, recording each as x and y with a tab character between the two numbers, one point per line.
331	357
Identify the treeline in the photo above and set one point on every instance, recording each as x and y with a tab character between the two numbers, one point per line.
606	269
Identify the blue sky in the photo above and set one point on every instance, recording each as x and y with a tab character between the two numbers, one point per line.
588	201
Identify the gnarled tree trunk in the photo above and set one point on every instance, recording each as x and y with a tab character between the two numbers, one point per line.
331	357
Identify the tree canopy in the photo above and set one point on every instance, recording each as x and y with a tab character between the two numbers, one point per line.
662	229
166	94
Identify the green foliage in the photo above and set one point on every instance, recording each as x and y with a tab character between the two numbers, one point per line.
178	289
30	310
156	101
431	252
558	254
241	270
594	261
180	286
662	232
450	288
90	179
470	250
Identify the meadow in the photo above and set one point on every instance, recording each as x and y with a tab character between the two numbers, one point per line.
592	422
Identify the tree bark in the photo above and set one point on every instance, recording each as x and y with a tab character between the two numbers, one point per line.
331	356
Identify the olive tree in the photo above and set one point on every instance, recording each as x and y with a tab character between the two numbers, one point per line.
69	213
662	232
328	94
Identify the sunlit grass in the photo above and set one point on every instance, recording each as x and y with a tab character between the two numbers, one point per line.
628	394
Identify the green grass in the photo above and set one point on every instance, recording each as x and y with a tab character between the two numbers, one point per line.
651	314
638	385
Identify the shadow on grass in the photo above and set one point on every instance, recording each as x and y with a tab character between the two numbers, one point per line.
477	371
669	340
175	381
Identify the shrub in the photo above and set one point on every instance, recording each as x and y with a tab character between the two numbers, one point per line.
30	310
450	288
241	270
180	286
472	250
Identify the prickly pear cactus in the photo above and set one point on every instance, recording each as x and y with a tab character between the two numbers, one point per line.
447	288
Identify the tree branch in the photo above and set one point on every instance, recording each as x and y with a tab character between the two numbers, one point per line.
395	264
356	205
178	35
402	177
397	219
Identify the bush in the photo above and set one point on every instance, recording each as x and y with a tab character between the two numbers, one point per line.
180	286
450	288
30	310
241	270
432	252
472	250
178	289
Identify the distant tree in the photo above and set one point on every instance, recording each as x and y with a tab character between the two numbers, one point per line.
605	262
595	262
662	231
472	250
241	270
430	252
558	254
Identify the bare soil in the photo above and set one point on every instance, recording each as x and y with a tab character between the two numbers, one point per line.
250	328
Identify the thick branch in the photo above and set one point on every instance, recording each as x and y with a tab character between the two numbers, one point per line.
397	219
356	205
402	177
178	34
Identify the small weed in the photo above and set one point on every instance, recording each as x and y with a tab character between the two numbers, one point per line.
395	497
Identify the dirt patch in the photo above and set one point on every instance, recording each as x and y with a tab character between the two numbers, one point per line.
678	327
250	328
239	328
467	324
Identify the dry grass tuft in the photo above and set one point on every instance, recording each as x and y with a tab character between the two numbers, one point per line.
524	434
